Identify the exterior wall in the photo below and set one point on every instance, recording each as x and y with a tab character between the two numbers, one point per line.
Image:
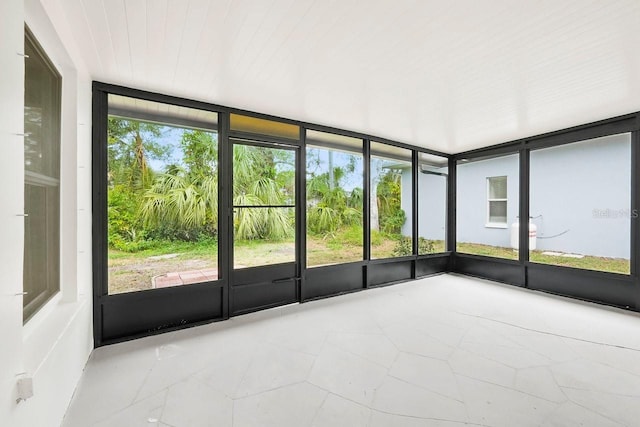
54	345
586	176
569	185
472	200
432	205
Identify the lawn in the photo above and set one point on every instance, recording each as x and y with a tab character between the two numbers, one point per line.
134	271
613	265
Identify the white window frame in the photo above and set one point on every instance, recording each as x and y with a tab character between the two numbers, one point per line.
489	223
36	179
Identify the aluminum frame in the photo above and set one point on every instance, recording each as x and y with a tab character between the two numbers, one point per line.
601	287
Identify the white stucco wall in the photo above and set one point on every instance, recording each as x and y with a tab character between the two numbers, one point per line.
55	344
12	195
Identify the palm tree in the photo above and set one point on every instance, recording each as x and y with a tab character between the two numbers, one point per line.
256	183
184	199
177	200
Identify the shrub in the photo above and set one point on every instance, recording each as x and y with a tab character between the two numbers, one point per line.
403	246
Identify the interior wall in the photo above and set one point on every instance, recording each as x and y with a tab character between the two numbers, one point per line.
52	348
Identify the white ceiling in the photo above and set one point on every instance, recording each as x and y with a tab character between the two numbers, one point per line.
450	75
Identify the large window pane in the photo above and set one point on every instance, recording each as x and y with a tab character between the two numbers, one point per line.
581	204
264	219
391	201
41	179
162	195
487	206
432	203
334	199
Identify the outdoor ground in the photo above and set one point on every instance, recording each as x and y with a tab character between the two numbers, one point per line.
135	271
613	265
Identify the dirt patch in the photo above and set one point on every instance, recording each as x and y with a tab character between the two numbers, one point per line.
136	274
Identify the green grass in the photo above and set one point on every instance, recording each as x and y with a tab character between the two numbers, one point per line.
612	265
344	245
486	250
131	271
164	247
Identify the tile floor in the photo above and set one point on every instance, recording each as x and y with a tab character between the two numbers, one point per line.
443	351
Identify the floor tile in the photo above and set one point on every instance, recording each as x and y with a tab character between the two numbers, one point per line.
347	375
539	382
622	409
410	340
402	398
471	365
441	352
432	374
339	412
109	384
490	404
193	403
376	348
588	375
272	367
144	413
571	415
291	406
382	419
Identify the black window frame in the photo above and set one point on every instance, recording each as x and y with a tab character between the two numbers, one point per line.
606	288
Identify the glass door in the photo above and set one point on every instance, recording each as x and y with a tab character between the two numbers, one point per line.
265	226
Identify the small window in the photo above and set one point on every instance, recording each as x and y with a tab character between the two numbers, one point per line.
497	201
41	268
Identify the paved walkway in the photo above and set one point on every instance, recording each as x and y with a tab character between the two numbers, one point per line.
185	277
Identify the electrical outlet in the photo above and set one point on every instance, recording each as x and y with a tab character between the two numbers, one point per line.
24	387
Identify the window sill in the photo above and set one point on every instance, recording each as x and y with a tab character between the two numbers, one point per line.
496	225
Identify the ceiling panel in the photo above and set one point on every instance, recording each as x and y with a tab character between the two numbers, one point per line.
450	76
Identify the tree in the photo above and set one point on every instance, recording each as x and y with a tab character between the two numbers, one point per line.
130	145
262	177
182	202
388	192
331	206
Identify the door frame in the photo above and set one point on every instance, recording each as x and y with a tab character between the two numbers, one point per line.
257	288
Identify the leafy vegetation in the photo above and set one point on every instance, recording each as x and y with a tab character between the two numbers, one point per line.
404	246
178	198
388	193
163	200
